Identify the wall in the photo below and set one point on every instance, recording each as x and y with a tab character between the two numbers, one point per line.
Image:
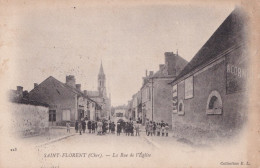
28	120
195	122
162	100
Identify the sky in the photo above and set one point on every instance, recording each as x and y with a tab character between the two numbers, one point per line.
73	39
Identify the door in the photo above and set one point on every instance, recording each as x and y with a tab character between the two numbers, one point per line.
52	117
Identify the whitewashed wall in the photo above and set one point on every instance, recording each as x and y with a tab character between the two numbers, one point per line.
28	120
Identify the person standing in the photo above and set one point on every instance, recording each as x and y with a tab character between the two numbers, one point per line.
93	126
154	128
150	129
137	129
118	129
166	129
112	127
68	126
89	126
99	128
147	127
158	128
77	126
84	126
80	128
163	129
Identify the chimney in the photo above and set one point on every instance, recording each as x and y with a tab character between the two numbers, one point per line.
78	86
20	90
85	92
161	66
35	85
170	62
151	73
146	73
71	81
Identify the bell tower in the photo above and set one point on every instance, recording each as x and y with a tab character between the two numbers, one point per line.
101	82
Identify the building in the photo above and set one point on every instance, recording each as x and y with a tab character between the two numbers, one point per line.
66	100
209	95
120	113
156	94
100	96
29	118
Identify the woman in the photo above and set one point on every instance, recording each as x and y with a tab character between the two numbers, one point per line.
80	128
99	128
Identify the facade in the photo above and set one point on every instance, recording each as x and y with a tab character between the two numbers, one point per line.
120	113
156	92
100	96
209	95
66	101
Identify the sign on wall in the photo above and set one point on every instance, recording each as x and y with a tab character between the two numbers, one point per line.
174	99
237	71
188	87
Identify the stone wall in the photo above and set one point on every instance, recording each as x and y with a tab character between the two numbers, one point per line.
28	120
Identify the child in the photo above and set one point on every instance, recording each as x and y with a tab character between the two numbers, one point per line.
68	126
166	129
158	128
163	129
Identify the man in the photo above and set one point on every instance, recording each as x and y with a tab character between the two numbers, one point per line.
89	126
84	126
77	126
137	129
93	126
80	128
118	129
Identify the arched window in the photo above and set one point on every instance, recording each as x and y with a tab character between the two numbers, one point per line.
214	103
181	107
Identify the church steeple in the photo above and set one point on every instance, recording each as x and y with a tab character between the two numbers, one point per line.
101	71
101	81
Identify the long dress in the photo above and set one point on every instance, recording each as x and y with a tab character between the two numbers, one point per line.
99	126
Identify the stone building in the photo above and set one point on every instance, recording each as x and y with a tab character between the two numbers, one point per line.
100	96
155	92
66	100
209	95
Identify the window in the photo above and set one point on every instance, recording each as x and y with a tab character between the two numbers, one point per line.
188	87
52	115
214	103
181	108
66	115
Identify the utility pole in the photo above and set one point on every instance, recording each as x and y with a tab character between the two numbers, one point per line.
152	98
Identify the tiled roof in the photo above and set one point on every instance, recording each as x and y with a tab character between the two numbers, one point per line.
74	90
229	34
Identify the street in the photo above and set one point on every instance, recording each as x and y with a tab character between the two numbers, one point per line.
115	151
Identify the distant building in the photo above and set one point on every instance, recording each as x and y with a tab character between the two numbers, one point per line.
120	113
66	101
209	95
155	95
100	96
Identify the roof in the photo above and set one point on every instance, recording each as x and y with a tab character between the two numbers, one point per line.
228	35
74	90
93	93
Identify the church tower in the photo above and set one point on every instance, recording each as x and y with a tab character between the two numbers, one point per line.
102	82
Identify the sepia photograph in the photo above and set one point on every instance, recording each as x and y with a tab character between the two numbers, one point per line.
129	84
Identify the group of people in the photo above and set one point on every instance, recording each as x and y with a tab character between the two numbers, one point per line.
128	128
153	128
80	126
